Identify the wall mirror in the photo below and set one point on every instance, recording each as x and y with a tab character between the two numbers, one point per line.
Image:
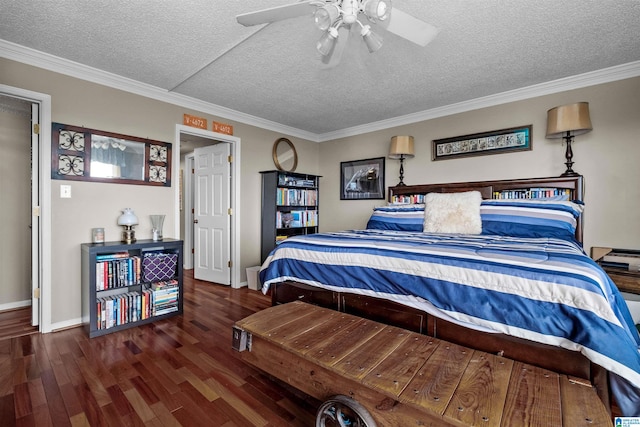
285	156
91	155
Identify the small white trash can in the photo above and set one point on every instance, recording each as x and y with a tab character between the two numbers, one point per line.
252	278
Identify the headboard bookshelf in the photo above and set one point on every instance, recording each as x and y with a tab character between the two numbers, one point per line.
514	188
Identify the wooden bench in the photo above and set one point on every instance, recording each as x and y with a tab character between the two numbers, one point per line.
404	378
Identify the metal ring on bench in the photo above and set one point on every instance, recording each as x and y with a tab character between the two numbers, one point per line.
343	411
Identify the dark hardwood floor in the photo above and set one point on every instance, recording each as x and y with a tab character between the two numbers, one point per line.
16	323
180	371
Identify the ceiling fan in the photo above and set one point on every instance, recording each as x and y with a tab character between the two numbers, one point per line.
336	17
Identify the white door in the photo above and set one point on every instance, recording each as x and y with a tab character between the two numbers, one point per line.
35	214
211	215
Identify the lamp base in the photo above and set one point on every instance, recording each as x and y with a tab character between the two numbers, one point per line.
401	183
569	156
128	235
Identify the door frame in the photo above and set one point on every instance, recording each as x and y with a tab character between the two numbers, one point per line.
235	191
187	204
42	274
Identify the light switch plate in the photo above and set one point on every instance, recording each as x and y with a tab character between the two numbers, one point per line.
65	191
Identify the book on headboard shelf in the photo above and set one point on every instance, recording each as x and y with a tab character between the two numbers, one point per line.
525	193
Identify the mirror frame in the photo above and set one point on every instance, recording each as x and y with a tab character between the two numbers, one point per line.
276	161
71	156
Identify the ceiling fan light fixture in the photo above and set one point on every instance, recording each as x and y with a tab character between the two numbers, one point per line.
326	15
377	10
327	41
371	39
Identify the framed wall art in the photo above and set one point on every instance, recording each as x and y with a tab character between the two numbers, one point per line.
362	179
480	144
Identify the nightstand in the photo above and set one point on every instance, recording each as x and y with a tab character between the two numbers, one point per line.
626	279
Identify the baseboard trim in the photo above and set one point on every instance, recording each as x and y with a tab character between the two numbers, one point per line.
14	305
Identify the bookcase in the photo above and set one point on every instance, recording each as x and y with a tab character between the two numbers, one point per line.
126	285
289	207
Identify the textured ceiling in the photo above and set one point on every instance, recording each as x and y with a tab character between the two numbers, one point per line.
273	72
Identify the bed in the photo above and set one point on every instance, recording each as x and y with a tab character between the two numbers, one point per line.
520	286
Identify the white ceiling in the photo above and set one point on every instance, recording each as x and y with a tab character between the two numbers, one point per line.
273	74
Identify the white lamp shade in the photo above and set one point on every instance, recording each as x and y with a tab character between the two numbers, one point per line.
573	118
371	39
127	217
401	147
327	41
325	16
377	9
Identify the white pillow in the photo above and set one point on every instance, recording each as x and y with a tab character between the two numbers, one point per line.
453	213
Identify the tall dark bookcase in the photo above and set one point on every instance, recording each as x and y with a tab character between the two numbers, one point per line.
114	287
289	207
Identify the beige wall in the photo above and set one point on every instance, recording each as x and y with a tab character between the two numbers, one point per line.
81	103
15	214
607	157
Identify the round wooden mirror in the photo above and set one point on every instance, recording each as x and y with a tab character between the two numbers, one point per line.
285	156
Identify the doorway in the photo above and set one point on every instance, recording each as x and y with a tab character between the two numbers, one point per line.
208	253
25	119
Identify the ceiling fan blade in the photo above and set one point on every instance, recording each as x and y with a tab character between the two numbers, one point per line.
406	26
334	56
278	13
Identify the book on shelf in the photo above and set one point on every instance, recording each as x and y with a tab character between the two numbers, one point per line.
296	219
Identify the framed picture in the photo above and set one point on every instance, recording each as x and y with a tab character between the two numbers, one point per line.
362	179
480	144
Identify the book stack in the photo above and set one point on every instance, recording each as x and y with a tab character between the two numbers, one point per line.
117	270
115	310
164	297
628	261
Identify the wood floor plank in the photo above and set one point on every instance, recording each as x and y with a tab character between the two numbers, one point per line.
139	405
22	400
57	410
164	415
7	412
36	393
71	399
119	401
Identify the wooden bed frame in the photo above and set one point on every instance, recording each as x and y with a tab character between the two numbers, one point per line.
553	358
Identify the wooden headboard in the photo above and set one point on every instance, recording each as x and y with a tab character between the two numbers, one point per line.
491	189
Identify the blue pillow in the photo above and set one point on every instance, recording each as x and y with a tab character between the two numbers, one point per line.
530	218
397	217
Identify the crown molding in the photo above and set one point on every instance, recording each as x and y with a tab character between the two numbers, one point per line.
605	75
52	63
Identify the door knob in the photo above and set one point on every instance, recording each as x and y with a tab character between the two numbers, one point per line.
195	221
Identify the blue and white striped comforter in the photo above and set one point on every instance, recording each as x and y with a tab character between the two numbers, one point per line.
545	290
